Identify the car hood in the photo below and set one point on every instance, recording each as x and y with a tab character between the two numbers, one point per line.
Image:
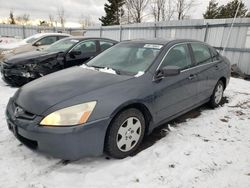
38	96
27	57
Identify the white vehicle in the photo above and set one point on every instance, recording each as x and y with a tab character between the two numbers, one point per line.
34	42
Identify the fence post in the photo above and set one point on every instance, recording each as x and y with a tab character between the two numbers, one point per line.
155	30
205	35
100	31
24	35
120	33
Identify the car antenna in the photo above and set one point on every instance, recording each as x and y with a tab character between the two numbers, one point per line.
231	27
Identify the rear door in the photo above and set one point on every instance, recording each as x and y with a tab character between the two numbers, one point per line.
207	69
81	53
175	94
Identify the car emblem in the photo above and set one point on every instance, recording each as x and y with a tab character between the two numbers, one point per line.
18	111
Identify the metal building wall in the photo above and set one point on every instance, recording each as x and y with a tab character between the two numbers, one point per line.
215	32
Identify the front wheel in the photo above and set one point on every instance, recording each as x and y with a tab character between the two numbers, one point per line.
217	95
125	134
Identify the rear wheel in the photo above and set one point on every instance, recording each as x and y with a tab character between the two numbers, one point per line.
125	133
217	95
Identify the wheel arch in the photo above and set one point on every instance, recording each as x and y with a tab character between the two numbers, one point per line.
224	80
139	106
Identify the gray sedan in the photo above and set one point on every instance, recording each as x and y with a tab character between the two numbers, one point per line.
118	97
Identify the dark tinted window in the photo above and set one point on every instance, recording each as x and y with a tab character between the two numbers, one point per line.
104	45
86	46
178	56
48	40
201	53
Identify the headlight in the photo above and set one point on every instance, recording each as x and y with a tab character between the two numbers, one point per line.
74	115
6	52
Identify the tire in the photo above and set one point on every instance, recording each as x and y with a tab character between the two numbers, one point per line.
217	95
125	134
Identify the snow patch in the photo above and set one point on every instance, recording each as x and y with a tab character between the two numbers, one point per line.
140	73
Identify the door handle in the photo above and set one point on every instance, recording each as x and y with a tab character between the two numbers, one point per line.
191	76
216	67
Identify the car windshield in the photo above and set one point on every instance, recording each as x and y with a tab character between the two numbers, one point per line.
62	45
130	58
32	38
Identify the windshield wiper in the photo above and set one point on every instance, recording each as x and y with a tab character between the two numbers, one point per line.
95	66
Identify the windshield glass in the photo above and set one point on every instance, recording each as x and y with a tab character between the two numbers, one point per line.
62	45
127	57
32	38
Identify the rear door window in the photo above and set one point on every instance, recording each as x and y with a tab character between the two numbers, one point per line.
86	47
201	53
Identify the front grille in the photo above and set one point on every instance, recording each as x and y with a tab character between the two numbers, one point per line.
21	113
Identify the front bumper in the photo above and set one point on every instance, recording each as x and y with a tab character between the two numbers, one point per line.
16	77
69	143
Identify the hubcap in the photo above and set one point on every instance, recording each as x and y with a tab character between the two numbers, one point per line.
128	134
218	94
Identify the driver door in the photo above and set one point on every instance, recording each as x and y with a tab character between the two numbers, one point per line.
81	53
174	94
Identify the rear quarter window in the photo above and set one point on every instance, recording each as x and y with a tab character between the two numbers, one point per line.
215	55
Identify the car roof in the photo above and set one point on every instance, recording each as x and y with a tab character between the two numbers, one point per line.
90	38
161	41
53	34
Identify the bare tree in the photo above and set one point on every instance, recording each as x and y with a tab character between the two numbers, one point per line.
182	7
24	19
12	18
51	20
168	10
85	21
61	16
158	9
136	9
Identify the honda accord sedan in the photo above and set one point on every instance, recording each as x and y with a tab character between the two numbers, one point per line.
112	102
23	68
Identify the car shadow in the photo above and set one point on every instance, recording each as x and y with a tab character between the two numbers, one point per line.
163	130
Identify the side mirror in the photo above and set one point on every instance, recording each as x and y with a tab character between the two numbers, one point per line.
38	44
74	53
167	71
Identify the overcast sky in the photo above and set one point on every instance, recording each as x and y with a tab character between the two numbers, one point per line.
40	9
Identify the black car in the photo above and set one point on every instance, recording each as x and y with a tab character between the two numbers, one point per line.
22	68
109	104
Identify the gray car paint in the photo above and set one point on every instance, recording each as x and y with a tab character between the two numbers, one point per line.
164	99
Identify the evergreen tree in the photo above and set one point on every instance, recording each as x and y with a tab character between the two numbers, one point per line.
113	11
212	10
229	10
